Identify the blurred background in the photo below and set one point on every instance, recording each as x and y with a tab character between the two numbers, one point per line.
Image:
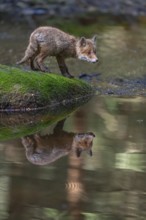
86	11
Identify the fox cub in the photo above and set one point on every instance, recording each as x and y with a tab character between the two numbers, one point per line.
42	150
50	41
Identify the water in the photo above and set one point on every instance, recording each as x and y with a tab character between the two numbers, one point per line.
110	184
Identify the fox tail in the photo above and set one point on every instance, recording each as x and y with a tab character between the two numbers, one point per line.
30	52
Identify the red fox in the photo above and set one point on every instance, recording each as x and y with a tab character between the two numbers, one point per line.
43	150
50	41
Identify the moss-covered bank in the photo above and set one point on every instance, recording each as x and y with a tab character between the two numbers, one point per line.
28	90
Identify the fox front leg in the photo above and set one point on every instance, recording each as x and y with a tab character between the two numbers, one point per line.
79	151
63	68
59	126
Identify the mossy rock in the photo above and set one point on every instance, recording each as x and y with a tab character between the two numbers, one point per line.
22	90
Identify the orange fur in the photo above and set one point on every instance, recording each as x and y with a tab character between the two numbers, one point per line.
50	41
42	150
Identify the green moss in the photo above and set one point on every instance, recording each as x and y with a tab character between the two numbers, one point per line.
29	89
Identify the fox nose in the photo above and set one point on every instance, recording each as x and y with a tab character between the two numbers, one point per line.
96	60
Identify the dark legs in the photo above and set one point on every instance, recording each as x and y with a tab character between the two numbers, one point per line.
36	63
63	68
39	61
59	126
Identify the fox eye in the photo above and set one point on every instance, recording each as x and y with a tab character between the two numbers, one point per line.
85	142
94	51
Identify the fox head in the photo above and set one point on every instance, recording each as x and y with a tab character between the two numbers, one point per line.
86	49
83	142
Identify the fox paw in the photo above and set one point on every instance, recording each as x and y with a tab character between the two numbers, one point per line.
45	69
68	75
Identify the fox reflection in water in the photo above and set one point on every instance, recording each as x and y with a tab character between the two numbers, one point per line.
42	150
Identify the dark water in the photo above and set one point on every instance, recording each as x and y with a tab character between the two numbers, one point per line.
110	184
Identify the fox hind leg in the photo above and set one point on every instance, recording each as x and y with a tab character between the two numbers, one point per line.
32	63
39	61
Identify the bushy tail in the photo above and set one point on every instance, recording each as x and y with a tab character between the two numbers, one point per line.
30	52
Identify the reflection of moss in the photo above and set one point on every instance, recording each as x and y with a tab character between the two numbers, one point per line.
28	89
16	125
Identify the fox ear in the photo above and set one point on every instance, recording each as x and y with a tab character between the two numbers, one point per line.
83	41
94	38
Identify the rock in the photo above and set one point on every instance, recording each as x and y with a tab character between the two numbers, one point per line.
29	90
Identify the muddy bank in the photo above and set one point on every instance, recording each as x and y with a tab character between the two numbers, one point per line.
117	86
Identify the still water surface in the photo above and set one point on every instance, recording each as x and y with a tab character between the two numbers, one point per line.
110	184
